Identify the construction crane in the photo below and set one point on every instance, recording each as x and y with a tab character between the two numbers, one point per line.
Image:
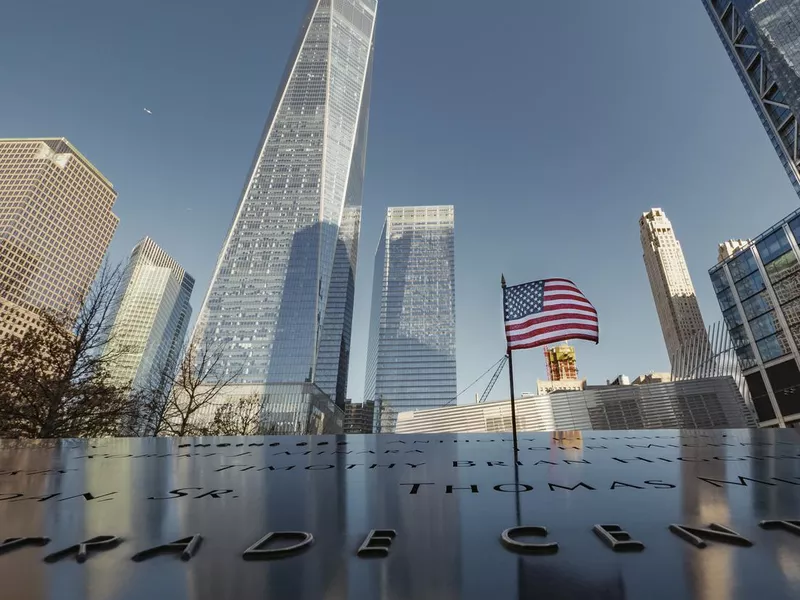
493	380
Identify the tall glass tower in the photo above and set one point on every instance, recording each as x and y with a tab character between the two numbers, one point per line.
150	317
281	299
411	360
762	39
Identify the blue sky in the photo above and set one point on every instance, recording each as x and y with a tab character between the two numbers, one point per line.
551	126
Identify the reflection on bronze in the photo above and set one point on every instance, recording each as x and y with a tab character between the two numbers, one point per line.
715	532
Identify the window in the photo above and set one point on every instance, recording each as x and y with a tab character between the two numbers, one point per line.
773	347
747	359
757	305
765	325
726	299
774	245
750	285
718	280
782	266
742	265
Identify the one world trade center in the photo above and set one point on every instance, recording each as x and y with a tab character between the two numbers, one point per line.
280	304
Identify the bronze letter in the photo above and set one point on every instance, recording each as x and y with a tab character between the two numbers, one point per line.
377	543
617	539
81	551
715	532
526	547
258	552
186	546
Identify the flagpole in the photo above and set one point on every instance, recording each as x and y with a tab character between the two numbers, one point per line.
510	377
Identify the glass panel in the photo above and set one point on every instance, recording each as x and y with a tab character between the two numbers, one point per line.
742	265
787	289
747	359
718	280
757	305
733	317
773	347
782	266
726	299
750	285
765	325
794	225
739	337
773	246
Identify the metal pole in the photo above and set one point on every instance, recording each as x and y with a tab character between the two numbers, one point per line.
510	376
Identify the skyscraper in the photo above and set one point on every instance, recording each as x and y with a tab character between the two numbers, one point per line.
762	39
673	292
150	318
758	289
411	360
728	248
281	298
55	226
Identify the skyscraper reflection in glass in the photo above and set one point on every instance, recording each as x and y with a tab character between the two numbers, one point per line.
281	298
762	39
411	361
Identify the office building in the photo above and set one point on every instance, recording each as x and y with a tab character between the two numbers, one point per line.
55	226
151	315
729	248
358	417
411	359
673	292
710	403
560	362
758	290
761	40
281	298
619	380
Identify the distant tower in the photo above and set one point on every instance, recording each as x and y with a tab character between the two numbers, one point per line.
280	303
729	248
560	362
411	361
55	226
673	292
151	316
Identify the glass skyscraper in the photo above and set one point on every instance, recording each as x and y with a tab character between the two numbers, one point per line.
762	39
151	315
281	298
411	360
758	289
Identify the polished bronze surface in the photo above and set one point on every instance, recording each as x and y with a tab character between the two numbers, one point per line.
712	515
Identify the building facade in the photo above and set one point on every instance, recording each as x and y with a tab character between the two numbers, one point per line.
729	248
55	226
560	362
411	359
281	298
758	290
762	40
358	417
151	315
710	403
673	292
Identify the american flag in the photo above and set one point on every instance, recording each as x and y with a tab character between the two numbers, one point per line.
547	311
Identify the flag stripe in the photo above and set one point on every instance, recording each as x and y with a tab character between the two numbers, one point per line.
549	329
541	312
551	297
553	320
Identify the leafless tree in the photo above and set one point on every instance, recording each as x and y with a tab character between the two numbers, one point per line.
244	416
55	380
179	402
